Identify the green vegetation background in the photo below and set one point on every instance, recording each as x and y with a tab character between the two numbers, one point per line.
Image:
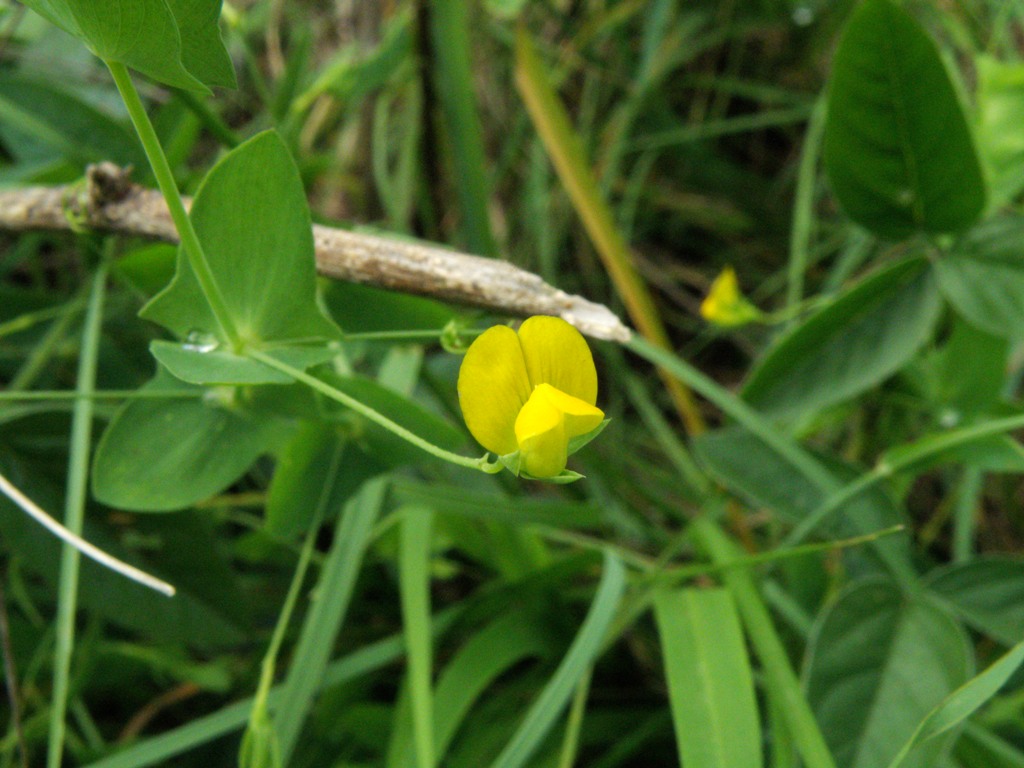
798	539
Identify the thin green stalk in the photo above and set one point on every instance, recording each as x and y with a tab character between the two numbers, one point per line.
803	208
574	723
213	122
74	513
965	520
42	351
327	390
169	189
665	435
714	128
896	460
736	409
29	319
780	678
260	744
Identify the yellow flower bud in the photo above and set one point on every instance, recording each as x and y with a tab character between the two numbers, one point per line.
725	305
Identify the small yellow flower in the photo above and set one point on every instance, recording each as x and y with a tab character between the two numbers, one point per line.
530	392
725	305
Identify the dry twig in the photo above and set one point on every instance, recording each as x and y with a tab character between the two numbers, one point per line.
109	201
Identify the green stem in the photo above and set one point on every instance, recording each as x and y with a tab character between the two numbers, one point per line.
783	446
169	189
896	460
44	350
74	513
260	734
803	208
106	394
327	390
964	523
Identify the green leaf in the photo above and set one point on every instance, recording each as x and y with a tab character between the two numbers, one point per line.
38	117
710	685
202	48
898	150
1000	125
198	362
963	702
509	639
367	309
980	747
496	508
861	338
414	591
746	465
325	618
353	73
971	373
162	454
878	662
141	34
251	216
983	276
987	593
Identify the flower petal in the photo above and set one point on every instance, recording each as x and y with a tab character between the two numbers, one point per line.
540	432
493	387
557	354
580	417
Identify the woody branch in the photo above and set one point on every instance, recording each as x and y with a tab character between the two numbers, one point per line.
110	202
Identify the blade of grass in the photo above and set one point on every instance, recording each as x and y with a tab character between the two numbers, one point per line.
803	209
40	515
450	52
203	730
567	155
780	680
74	515
584	650
710	685
44	350
414	585
963	702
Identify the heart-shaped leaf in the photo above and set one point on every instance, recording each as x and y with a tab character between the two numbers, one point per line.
251	216
175	42
165	453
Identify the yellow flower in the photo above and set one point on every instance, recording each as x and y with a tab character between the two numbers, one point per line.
725	305
530	392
